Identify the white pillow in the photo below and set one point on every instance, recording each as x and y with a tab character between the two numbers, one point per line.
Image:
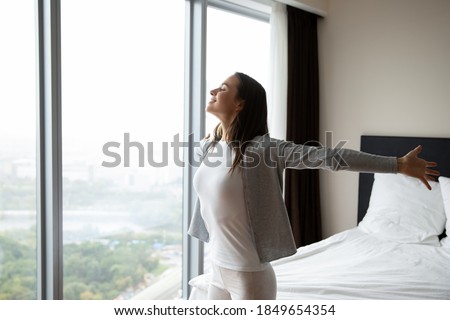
402	209
445	190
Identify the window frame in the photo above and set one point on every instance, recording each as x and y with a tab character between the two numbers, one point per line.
49	156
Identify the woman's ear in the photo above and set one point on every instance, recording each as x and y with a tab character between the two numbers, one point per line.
240	105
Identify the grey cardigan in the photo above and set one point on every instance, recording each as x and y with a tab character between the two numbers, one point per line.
262	168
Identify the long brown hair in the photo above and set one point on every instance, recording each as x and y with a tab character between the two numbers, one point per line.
250	122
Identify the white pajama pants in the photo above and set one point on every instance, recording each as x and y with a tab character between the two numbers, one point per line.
227	284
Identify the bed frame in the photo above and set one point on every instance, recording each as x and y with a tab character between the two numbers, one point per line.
434	149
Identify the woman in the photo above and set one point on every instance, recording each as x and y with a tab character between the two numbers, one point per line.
240	209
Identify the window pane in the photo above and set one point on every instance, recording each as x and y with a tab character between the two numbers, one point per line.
122	78
18	151
234	43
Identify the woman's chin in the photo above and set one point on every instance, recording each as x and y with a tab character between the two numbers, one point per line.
210	110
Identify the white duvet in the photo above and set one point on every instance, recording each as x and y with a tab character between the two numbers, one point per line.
355	265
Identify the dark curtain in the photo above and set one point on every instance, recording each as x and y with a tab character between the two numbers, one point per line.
302	196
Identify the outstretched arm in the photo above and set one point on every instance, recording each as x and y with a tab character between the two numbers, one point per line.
413	166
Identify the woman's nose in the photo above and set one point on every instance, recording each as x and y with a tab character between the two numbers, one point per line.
213	92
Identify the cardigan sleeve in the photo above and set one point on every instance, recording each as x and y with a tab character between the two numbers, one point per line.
197	226
297	156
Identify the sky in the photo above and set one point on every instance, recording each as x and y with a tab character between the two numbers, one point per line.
122	70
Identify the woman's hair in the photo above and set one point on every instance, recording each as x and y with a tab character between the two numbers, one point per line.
251	120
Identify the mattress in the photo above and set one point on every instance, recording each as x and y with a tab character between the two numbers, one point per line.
356	265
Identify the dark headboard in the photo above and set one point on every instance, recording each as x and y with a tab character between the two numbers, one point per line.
434	149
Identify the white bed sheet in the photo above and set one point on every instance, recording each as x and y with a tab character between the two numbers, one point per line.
356	265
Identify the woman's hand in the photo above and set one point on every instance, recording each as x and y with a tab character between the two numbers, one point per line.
413	166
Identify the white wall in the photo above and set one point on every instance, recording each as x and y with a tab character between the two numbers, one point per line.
384	70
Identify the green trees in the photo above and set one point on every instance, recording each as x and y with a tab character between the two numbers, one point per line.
92	270
95	266
95	270
17	269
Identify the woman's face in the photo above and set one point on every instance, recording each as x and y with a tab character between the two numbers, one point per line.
225	102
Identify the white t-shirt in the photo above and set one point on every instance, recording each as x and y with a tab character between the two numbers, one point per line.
224	212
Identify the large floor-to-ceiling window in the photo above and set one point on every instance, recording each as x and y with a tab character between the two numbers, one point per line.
122	106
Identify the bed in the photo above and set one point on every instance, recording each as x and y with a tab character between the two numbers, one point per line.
399	249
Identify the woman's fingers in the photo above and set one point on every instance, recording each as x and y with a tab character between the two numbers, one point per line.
425	182
432	172
414	166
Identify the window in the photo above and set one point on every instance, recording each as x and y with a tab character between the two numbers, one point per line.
235	43
122	89
18	151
